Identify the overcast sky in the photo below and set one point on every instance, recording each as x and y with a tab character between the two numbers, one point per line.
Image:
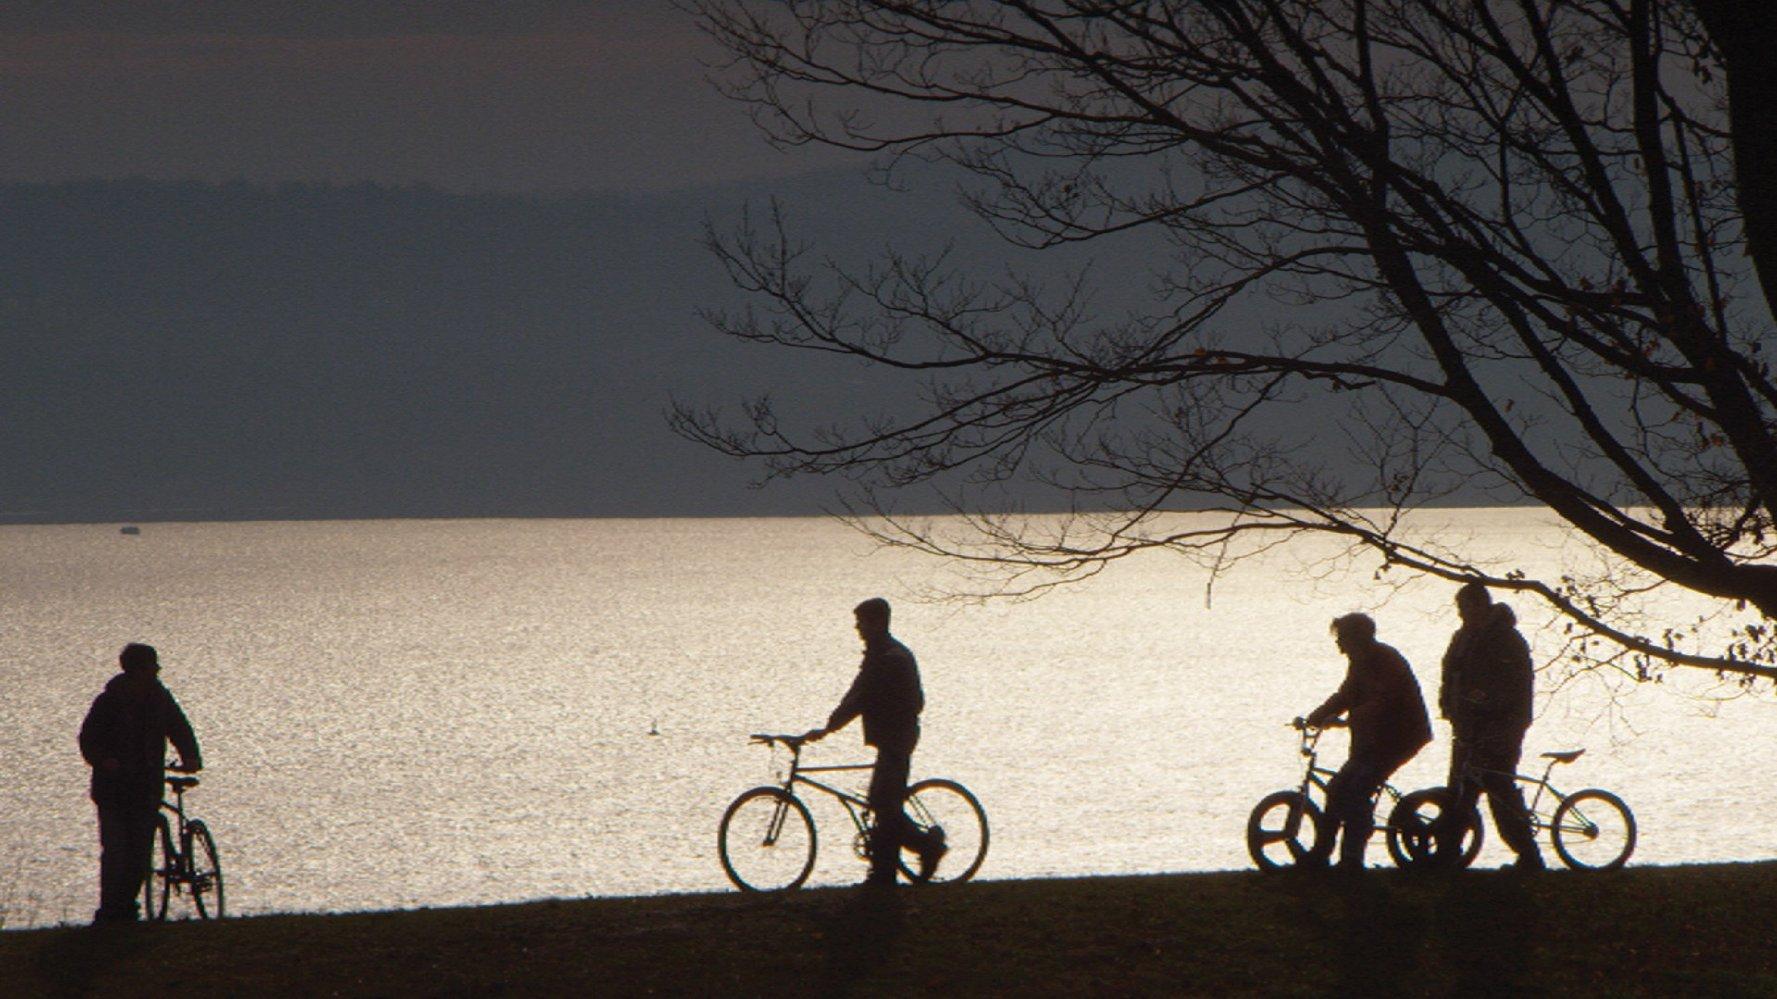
510	96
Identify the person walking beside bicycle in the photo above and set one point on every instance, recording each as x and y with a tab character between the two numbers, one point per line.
888	696
1488	685
124	739
1389	725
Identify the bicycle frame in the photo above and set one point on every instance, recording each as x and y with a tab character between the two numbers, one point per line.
1539	819
188	865
1318	776
857	807
181	829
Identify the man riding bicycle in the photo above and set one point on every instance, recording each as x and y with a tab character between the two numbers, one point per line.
1388	726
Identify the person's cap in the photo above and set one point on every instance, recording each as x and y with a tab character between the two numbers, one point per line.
138	656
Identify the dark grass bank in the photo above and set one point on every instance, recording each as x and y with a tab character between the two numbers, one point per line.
1696	930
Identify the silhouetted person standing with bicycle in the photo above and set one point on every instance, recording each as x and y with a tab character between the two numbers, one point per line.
887	695
1381	699
1486	694
124	740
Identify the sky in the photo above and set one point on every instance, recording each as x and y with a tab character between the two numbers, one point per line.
513	96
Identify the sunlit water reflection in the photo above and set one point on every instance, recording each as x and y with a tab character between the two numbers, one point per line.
431	713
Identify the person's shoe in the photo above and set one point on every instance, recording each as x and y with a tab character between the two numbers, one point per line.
933	852
879	879
1527	863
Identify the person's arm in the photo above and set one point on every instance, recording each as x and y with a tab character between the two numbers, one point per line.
851	705
1511	682
1331	708
191	760
1449	679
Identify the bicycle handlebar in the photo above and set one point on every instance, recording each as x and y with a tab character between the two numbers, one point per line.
788	741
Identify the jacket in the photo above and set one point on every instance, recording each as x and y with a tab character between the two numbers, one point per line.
1388	718
131	722
887	694
1489	682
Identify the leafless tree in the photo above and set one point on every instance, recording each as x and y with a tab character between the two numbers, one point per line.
1508	234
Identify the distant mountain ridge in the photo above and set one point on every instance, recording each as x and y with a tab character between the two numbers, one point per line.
199	351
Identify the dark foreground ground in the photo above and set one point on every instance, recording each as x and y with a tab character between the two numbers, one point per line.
1699	930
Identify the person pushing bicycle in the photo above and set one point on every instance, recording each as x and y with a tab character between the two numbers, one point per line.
1486	693
1389	725
124	739
888	696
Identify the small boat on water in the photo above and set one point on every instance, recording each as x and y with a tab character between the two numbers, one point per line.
129	529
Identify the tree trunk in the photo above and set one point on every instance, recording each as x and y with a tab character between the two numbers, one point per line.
1746	36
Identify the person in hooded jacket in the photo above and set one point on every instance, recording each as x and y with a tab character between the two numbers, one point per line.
888	696
124	739
1488	685
1381	700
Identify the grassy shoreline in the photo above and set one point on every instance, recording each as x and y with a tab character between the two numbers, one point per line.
1697	930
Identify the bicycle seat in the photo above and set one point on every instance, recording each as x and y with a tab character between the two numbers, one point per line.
1567	757
181	783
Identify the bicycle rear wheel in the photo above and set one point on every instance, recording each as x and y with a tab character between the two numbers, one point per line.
163	871
938	804
205	882
1593	830
1412	826
766	840
1281	829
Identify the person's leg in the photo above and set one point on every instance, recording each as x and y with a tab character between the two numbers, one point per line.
1466	792
1498	757
888	789
1350	808
1360	815
1326	830
126	849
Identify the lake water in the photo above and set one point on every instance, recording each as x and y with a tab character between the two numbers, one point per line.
434	713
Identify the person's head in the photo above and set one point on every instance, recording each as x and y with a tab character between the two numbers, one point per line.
1472	602
873	618
1353	631
139	660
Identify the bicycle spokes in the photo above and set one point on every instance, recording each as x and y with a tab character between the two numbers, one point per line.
767	840
1593	829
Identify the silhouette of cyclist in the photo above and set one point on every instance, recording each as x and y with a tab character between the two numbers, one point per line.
887	695
124	738
1381	698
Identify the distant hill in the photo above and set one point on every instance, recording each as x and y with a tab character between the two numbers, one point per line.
195	351
201	351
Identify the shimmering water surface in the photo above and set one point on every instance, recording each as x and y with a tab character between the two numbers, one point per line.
428	713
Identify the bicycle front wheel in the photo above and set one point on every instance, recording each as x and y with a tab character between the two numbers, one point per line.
1281	829
163	872
1593	830
767	840
938	806
205	874
1412	829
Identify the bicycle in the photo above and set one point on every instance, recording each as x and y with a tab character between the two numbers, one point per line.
185	863
1282	820
767	838
1591	829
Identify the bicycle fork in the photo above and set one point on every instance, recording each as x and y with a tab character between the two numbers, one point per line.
775	828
